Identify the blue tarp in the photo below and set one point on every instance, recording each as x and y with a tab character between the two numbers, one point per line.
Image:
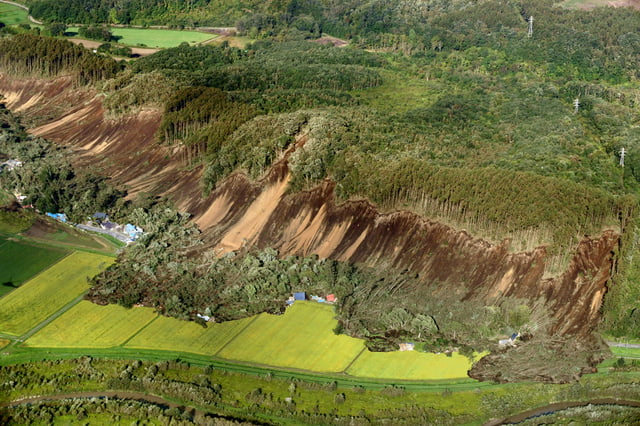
300	296
58	216
133	231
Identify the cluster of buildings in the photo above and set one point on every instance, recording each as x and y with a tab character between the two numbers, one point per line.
329	298
100	223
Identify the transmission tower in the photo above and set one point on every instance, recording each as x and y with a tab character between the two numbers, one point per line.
622	153
530	33
576	105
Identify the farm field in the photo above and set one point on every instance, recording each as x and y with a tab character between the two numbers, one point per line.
12	15
87	325
22	261
410	365
625	352
171	334
42	296
3	343
302	338
148	37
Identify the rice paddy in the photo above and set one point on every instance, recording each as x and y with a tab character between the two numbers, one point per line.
22	261
171	334
302	338
410	365
87	325
44	295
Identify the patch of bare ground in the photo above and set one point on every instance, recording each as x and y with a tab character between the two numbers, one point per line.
592	4
92	44
331	41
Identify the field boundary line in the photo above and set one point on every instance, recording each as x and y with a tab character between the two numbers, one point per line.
122	345
354	360
255	317
51	318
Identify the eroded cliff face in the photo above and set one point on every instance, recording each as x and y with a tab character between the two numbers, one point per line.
263	214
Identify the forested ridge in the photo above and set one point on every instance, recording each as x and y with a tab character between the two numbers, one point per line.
451	112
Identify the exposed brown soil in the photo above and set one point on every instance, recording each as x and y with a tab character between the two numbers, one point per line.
91	44
262	214
331	41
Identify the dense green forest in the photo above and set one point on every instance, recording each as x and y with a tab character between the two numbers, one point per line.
452	111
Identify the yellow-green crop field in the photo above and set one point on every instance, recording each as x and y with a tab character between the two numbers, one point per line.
302	338
3	343
42	296
87	325
171	334
410	365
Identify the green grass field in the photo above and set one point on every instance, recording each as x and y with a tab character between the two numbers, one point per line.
12	15
158	38
410	365
87	325
302	338
170	334
154	37
22	261
39	298
625	352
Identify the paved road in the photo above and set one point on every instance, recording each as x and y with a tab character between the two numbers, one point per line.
22	6
122	237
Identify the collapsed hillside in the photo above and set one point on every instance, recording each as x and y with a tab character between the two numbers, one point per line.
449	264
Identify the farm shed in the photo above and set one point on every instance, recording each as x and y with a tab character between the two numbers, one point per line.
300	296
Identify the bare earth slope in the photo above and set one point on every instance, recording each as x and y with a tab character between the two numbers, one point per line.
241	212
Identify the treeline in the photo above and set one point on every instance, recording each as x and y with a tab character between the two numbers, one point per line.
31	55
576	44
201	118
219	88
267	66
47	178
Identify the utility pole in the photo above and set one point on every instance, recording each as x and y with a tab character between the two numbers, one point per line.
530	33
576	105
622	153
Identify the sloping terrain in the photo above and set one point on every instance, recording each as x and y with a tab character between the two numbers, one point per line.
241	212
